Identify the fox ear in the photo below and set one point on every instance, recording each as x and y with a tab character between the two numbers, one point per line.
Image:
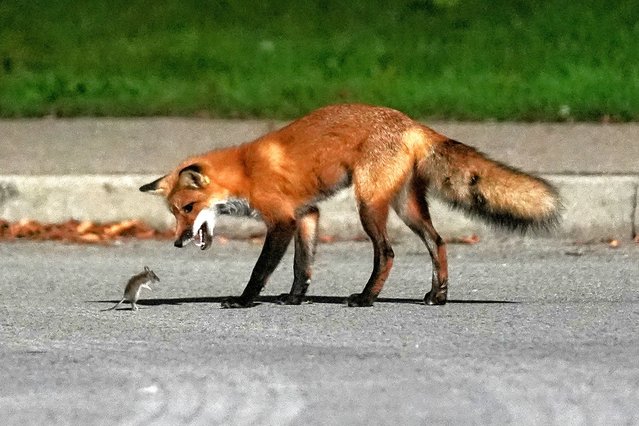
158	186
192	177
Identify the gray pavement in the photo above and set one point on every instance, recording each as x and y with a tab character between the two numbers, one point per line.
57	169
537	333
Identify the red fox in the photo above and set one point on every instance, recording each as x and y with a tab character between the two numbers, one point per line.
391	161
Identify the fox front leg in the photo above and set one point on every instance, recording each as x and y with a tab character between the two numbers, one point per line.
305	245
277	240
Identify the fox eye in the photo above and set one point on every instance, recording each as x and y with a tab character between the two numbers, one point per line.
188	208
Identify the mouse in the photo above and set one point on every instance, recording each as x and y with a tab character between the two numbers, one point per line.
134	287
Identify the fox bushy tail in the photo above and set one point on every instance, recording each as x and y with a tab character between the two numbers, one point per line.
494	192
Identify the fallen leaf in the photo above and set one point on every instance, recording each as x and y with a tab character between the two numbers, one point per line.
89	238
84	227
468	239
613	243
327	239
121	227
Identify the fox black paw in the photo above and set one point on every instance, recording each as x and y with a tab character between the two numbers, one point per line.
435	299
236	302
358	300
290	299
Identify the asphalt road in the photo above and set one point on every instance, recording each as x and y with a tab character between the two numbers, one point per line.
537	332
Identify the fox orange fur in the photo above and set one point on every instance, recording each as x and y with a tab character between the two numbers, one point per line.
391	160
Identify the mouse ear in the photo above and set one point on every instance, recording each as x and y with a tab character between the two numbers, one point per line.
146	269
159	186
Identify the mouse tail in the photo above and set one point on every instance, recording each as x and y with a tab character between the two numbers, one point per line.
115	306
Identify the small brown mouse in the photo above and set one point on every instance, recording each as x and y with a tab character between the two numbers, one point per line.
134	286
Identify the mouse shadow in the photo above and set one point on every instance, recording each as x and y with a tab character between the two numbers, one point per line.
334	300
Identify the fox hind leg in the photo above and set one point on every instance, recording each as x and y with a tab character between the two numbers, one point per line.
376	184
412	208
373	217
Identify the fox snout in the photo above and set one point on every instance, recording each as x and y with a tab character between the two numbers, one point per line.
202	238
184	238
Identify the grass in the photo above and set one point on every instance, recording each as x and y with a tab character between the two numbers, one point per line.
457	59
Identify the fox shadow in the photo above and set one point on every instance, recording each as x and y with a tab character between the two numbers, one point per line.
335	300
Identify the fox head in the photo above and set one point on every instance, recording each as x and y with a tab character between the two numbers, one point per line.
192	197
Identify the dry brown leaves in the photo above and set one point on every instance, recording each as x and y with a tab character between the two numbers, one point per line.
74	231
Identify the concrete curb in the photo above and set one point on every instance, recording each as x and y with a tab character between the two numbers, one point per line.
596	207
